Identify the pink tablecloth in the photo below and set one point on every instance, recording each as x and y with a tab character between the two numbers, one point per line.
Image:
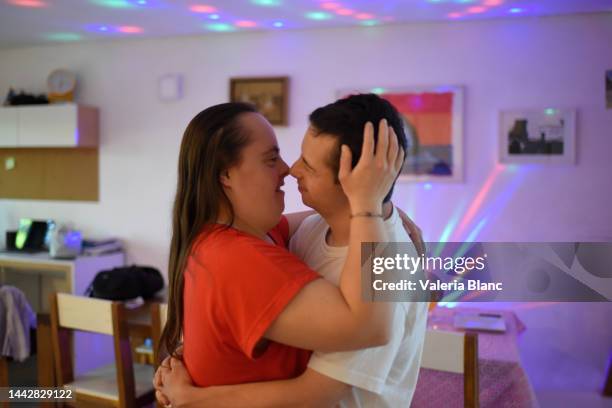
503	381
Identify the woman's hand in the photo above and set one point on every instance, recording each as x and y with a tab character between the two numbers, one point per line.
157	383
367	184
413	230
172	382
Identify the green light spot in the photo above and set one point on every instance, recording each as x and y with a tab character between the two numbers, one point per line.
378	91
550	111
65	37
369	23
22	233
113	3
267	3
220	27
318	15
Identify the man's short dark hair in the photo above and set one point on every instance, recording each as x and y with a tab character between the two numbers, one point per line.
345	120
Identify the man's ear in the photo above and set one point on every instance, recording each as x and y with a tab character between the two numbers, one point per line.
224	178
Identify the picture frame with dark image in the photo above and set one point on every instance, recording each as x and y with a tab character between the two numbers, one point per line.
544	136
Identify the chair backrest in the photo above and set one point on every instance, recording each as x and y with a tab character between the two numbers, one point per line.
70	312
159	315
456	353
85	314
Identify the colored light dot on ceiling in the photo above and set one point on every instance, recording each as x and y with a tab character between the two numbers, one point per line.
245	24
464	1
103	28
454	15
330	6
345	12
428	186
202	8
476	10
369	23
142	2
113	3
64	37
550	111
378	90
515	10
130	29
220	27
318	15
278	24
492	3
364	16
267	3
28	3
214	16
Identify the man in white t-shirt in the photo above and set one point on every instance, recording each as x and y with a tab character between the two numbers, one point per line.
375	377
380	376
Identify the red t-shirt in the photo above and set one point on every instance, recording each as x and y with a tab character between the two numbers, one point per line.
235	287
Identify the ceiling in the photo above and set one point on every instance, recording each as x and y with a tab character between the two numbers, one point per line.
32	22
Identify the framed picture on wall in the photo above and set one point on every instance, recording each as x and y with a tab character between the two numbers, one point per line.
269	94
433	118
537	136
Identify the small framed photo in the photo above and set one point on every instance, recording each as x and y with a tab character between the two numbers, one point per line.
269	94
545	136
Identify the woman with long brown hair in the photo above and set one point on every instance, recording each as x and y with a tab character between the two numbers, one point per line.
244	307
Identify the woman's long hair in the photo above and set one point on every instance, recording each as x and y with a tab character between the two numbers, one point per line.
212	143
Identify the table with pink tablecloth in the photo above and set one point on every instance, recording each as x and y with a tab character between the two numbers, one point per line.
503	381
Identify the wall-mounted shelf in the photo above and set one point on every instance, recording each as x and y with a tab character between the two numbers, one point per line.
41	126
49	152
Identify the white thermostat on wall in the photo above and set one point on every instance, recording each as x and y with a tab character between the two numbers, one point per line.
170	87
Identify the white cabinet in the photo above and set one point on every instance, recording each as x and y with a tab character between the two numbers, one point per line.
66	125
8	127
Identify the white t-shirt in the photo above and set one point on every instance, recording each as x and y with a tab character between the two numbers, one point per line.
383	376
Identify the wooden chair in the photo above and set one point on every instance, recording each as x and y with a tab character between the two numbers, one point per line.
456	353
122	384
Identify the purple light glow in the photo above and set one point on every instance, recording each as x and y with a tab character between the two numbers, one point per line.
345	12
245	24
364	16
130	29
28	3
330	6
476	10
202	8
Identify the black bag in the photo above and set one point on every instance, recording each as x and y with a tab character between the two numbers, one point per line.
126	282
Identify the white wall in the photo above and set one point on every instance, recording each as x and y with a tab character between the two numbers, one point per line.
502	64
513	63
